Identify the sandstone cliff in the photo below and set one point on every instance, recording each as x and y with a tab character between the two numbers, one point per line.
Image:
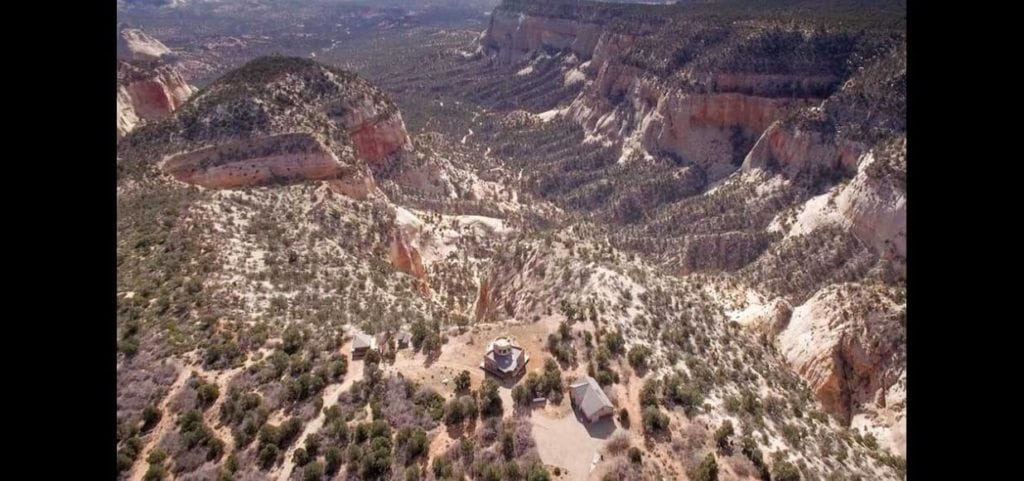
404	253
706	110
275	159
147	95
285	120
149	83
848	342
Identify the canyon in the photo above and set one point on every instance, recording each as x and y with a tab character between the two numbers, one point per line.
724	118
698	205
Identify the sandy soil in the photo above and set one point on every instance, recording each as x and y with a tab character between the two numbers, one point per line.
570	444
465	352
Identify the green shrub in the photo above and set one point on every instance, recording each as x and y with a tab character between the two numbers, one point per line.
267	455
490	401
206	394
785	471
313	472
301	457
508	446
150	417
615	343
654	420
521	395
723	434
453	412
650	393
638	357
538	473
707	470
462	381
124	462
155	472
156	456
332	460
412	441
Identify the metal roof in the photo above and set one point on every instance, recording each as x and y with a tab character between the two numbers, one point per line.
589	396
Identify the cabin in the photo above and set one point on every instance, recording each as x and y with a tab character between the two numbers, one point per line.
590	400
504	358
361	343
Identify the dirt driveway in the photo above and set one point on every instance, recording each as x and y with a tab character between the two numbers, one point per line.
570	444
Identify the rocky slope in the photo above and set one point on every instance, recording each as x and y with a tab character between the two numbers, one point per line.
849	343
778	138
279	120
355	261
149	84
708	216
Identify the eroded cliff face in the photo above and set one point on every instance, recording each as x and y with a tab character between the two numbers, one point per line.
876	207
406	258
150	98
793	151
283	120
406	232
134	45
634	108
149	83
278	159
357	185
513	37
848	342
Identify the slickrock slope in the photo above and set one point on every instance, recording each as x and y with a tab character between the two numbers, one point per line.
849	343
279	120
149	84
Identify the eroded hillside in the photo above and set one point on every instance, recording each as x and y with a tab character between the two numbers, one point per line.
707	215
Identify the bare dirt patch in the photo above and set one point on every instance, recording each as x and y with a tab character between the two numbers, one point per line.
570	444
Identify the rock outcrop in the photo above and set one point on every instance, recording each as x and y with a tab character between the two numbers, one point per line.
149	83
875	204
406	258
276	159
709	112
848	342
514	36
149	95
134	45
793	151
358	186
286	120
404	252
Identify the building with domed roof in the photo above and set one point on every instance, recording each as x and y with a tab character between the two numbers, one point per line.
504	358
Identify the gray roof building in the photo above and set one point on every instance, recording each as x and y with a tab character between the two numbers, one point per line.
362	342
591	401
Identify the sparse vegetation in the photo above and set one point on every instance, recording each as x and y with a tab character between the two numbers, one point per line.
630	250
